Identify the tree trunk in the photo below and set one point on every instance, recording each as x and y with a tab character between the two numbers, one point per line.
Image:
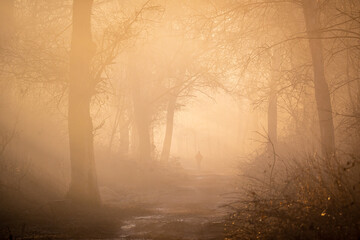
322	95
169	129
272	119
125	138
272	108
143	128
134	140
83	187
114	128
142	120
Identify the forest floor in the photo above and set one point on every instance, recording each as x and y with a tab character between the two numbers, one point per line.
185	205
192	209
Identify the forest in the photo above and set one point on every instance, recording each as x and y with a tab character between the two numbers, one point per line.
180	119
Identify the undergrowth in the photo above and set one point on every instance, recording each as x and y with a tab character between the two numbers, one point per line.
297	198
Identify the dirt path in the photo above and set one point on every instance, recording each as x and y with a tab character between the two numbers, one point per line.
191	210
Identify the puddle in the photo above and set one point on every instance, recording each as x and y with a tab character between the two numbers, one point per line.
127	227
149	217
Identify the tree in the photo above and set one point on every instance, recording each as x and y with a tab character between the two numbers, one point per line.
322	95
170	112
272	107
83	186
142	109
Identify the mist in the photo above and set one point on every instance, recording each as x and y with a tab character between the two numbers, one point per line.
165	119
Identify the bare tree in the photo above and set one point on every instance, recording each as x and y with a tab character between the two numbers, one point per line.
83	186
170	112
272	107
312	19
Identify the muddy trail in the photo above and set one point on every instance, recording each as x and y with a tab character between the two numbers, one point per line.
193	209
183	204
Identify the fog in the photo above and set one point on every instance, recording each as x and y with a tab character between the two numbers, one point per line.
165	119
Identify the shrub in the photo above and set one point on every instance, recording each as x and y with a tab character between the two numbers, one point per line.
304	198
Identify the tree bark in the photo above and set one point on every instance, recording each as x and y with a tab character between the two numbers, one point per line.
83	187
322	95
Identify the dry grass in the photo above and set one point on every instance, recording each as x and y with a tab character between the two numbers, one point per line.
308	198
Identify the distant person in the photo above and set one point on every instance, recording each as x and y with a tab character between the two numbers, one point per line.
198	158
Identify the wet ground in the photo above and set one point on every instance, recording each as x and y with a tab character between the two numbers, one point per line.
183	204
190	210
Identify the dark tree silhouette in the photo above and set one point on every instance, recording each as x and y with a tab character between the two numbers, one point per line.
83	186
322	95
